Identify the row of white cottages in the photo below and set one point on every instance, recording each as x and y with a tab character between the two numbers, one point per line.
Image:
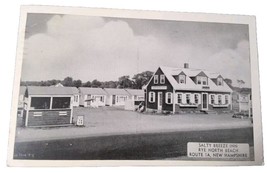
49	106
84	96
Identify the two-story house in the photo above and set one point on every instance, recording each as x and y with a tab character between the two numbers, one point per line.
183	89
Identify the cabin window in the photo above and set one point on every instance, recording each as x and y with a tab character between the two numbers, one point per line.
220	81
75	98
162	79
196	98
219	99
102	98
212	99
181	78
187	98
156	79
40	102
168	98
151	97
61	102
226	99
179	98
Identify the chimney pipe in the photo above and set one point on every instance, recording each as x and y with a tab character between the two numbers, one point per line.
186	65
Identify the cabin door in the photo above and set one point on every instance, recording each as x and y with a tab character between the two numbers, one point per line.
113	99
159	101
204	101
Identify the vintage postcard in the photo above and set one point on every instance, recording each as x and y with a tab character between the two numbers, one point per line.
106	87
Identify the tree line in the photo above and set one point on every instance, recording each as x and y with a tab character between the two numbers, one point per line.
136	82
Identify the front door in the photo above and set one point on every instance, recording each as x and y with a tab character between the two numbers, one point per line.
159	101
204	101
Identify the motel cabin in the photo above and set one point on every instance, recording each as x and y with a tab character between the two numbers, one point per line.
241	100
136	95
116	96
49	106
92	97
182	90
75	93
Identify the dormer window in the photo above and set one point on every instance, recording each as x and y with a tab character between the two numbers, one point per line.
220	81
162	79
202	80
156	79
181	78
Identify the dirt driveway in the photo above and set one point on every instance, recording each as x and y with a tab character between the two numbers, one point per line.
105	121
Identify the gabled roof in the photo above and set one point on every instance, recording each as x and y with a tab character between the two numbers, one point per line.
135	92
190	84
116	91
44	90
93	91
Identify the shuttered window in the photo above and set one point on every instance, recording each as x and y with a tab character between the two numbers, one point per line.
187	98
162	79
179	98
168	98
156	79
212	99
151	97
219	99
196	98
226	99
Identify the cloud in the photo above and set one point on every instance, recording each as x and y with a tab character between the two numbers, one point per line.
233	63
89	48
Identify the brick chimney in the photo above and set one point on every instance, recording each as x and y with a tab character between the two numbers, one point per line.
186	65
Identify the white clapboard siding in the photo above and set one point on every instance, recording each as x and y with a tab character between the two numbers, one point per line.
192	98
223	99
216	99
199	99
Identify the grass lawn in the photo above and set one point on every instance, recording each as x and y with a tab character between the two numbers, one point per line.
105	121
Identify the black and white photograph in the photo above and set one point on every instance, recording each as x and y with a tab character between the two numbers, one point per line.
108	85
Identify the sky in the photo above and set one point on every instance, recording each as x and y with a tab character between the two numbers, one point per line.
89	47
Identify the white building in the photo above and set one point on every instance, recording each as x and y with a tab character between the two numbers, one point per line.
92	97
116	97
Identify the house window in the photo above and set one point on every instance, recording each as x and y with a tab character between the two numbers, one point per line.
179	98
196	98
181	78
168	98
102	98
202	80
162	79
40	102
156	79
212	99
61	102
199	80
151	97
188	98
226	99
220	81
219	99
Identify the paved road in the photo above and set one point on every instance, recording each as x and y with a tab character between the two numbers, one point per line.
127	147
